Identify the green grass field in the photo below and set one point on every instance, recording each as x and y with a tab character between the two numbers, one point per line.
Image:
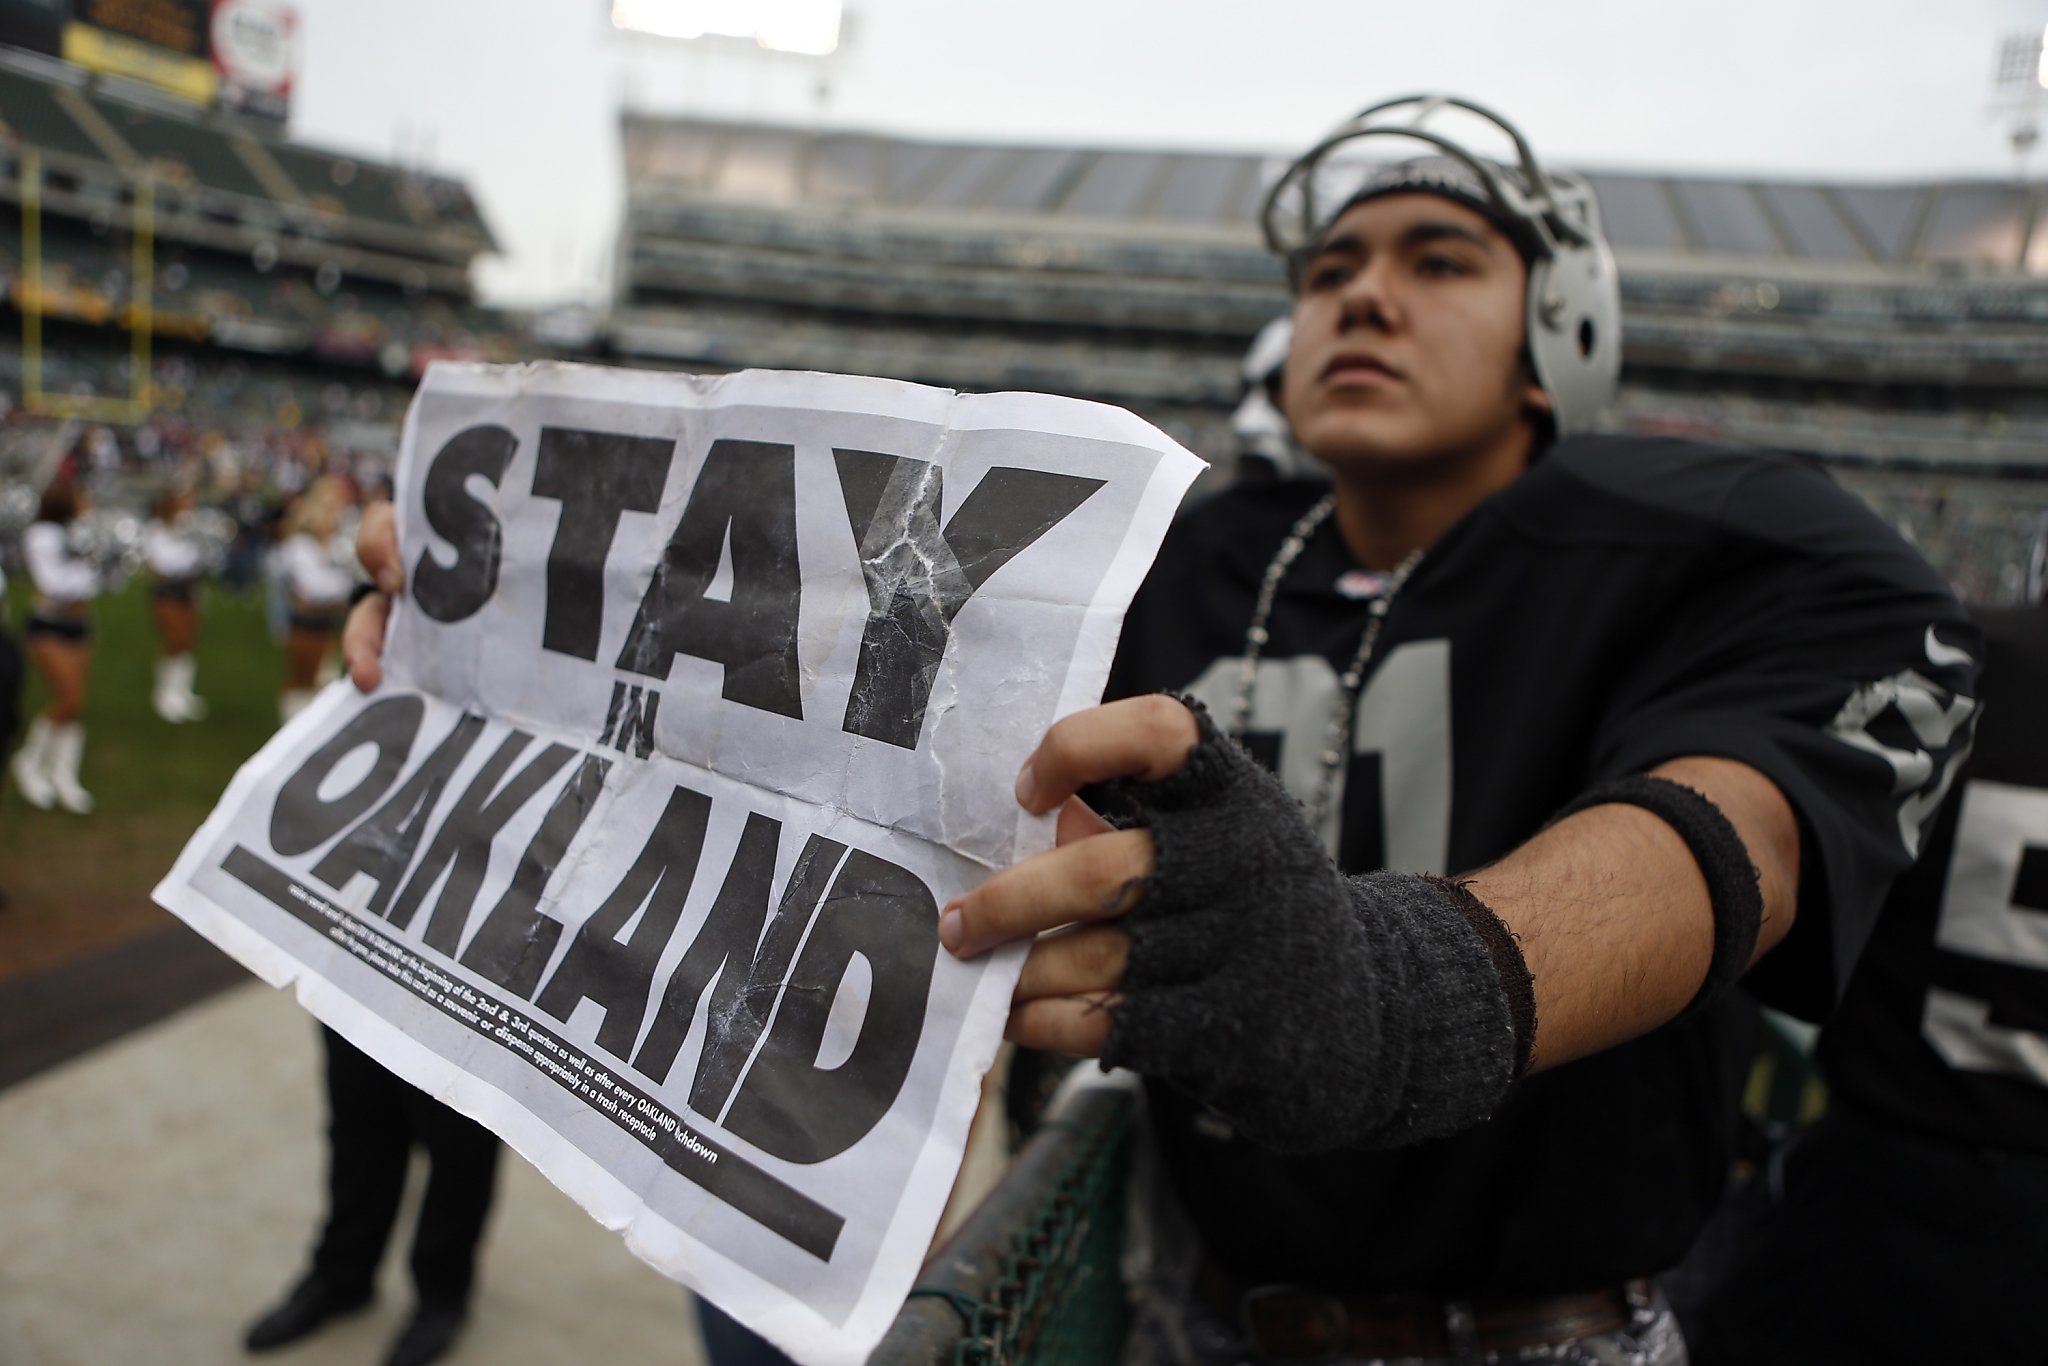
76	883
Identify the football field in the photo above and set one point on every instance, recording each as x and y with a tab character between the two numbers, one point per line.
77	884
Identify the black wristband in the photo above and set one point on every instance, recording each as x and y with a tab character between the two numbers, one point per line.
359	592
1732	885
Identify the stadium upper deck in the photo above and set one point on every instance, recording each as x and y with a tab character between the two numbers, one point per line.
1760	309
219	169
258	243
1660	220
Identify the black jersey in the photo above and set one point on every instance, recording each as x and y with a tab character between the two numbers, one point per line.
1622	603
1944	1029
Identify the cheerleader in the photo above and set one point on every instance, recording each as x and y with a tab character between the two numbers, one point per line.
59	639
10	687
311	563
174	558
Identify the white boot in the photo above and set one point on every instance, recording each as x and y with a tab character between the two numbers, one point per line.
67	747
195	705
190	706
32	766
295	700
164	699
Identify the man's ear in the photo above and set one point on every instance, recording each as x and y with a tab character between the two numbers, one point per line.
1537	407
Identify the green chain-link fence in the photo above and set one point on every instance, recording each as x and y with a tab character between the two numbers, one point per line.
1033	1275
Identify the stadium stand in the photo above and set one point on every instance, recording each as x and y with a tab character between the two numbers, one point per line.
1897	330
300	250
1897	333
293	293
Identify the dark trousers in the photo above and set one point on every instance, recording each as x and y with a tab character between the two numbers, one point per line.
375	1118
10	691
1864	1245
727	1343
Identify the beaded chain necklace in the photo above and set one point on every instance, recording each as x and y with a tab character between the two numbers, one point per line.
1337	733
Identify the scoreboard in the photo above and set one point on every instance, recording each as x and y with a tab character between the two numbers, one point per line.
239	54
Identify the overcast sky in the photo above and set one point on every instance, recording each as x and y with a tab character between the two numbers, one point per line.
521	97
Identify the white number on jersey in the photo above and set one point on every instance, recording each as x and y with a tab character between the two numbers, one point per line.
1998	824
1403	717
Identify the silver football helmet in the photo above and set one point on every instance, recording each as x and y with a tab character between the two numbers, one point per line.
1574	296
1265	443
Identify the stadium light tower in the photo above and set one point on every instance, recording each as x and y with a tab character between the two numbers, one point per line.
804	28
2019	90
757	35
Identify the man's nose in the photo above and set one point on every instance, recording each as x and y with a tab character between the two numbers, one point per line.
1367	297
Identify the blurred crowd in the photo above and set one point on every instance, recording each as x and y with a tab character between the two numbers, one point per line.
86	508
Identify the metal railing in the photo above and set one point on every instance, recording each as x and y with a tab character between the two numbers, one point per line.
1033	1275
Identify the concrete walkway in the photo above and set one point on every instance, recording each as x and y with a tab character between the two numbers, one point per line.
155	1194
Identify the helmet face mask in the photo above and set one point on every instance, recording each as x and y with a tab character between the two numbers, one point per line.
1573	307
1260	427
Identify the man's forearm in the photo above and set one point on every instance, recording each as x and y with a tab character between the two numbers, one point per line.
1614	917
1317	1011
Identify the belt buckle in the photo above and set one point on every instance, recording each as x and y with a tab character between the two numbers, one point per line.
1327	1336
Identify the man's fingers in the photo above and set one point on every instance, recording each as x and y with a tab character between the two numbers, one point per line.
1092	879
362	641
1078	821
1084	960
377	547
1075	1025
1137	737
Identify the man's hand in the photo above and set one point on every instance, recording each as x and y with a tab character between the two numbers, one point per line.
1084	885
362	639
1217	948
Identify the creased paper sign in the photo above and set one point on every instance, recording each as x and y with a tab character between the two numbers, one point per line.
703	697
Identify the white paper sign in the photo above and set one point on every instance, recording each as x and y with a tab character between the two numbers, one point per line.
704	696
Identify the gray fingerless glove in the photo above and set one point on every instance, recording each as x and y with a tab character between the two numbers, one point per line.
1315	1011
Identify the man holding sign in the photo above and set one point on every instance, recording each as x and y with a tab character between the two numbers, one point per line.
1589	725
